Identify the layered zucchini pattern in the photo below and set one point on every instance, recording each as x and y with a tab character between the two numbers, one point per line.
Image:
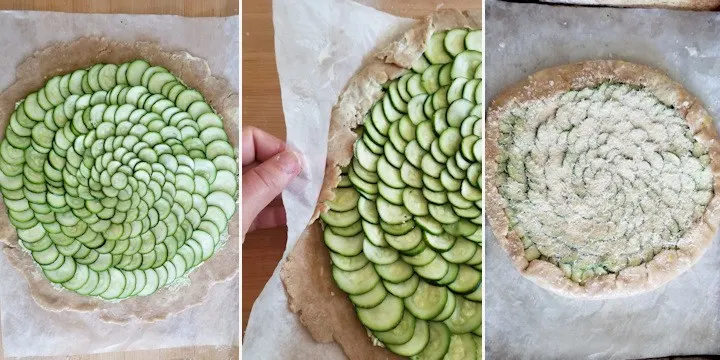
405	227
118	178
601	179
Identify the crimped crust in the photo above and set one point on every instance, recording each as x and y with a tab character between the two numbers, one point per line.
632	280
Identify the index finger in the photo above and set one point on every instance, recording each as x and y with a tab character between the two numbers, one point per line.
258	145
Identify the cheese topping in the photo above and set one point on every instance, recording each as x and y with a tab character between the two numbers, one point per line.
601	179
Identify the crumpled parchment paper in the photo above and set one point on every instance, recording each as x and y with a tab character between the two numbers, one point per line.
524	321
319	45
29	330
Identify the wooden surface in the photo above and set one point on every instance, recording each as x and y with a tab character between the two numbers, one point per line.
262	108
192	8
172	7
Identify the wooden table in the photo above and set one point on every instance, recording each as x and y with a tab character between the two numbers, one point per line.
173	7
262	108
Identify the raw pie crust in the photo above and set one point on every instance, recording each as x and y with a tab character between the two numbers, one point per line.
553	181
62	58
323	308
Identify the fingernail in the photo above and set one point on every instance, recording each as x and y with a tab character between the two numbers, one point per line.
289	162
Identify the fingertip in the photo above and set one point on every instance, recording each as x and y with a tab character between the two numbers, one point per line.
289	162
263	183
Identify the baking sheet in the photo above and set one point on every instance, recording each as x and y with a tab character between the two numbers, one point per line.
319	45
524	321
29	330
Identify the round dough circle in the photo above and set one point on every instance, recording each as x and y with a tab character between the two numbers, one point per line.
606	171
61	58
127	218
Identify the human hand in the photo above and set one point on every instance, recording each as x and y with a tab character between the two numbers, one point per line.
267	168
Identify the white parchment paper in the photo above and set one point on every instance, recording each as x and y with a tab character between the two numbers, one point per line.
29	330
319	45
524	321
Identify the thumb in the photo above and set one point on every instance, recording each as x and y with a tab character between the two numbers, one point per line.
265	182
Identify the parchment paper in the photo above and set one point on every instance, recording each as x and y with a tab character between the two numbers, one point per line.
29	330
319	45
524	321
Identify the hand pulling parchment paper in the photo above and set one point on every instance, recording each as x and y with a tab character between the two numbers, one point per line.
319	45
28	329
524	321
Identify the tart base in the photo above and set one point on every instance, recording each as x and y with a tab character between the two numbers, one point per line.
61	58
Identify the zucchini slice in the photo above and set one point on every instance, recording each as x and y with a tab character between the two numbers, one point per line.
356	282
400	334
347	246
384	316
417	343
403	289
427	302
448	309
348	263
396	272
466	317
462	347
438	344
371	298
379	255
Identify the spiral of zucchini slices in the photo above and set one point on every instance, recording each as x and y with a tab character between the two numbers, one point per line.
118	178
404	229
